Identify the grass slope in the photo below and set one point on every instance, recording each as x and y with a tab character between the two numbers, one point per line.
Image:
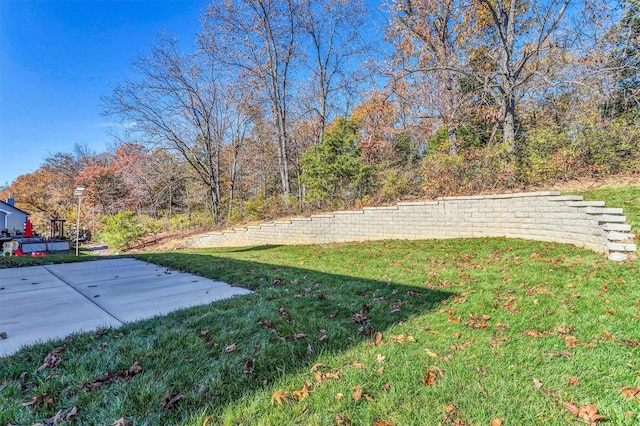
390	332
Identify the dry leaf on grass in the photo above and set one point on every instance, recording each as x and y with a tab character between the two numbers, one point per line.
403	338
343	420
279	397
630	393
357	393
378	339
302	393
230	348
170	400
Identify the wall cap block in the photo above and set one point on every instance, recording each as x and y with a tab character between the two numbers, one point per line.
501	196
585	203
567	198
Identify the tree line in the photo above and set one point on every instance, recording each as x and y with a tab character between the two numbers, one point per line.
288	106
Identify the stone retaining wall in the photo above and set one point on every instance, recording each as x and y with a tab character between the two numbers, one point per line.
543	216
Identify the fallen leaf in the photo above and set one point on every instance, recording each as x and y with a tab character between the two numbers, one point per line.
343	420
381	423
590	414
339	396
170	400
573	409
71	415
574	381
248	366
132	371
497	422
432	374
302	393
630	343
403	338
52	360
368	397
230	348
279	397
357	364
380	358
357	393
299	336
378	339
360	317
630	393
537	383
55	419
316	366
120	422
3	335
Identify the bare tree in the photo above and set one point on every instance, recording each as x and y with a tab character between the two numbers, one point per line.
257	40
334	30
174	102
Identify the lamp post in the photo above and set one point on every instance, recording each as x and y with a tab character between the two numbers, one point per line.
78	193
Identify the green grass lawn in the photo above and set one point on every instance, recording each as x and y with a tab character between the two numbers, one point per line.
460	332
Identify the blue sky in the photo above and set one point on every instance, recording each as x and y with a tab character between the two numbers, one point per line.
57	57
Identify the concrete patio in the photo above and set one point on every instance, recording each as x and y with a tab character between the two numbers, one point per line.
40	303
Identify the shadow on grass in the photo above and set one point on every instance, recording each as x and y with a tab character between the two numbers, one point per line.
254	248
296	316
213	355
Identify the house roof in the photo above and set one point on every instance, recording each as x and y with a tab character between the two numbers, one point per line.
8	208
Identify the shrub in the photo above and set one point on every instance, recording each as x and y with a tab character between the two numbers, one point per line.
121	229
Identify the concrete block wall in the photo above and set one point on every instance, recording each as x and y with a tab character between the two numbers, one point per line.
543	216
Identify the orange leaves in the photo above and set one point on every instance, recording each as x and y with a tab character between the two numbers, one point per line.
432	375
324	376
302	393
278	397
358	394
477	322
402	338
631	393
587	413
378	339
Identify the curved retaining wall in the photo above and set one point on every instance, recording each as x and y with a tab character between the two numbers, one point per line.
543	216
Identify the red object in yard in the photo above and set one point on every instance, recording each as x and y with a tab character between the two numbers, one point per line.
18	252
28	229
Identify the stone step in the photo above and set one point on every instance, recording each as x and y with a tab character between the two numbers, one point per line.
619	236
566	198
619	257
585	204
607	218
622	227
621	247
603	210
